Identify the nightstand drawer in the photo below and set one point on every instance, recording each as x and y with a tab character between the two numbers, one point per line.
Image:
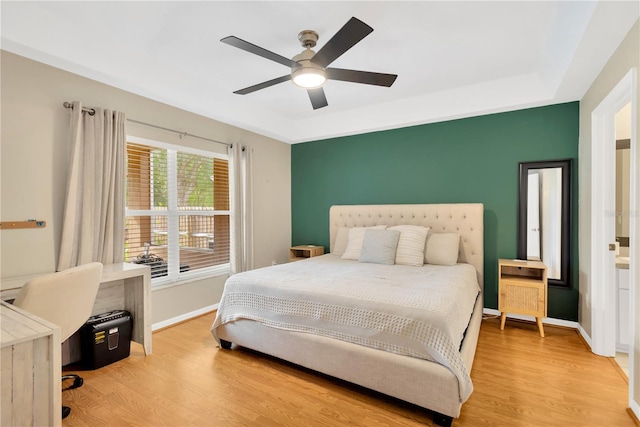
524	297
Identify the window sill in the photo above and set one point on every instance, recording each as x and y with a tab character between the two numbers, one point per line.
184	278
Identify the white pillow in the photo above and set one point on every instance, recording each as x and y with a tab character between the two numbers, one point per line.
411	245
356	238
340	243
379	246
442	248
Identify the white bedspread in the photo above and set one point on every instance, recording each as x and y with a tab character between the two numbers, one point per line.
415	311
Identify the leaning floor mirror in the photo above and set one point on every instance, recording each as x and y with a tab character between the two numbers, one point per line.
544	216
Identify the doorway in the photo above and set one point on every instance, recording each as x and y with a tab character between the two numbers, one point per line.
603	218
623	214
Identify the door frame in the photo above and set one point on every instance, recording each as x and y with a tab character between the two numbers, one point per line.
603	297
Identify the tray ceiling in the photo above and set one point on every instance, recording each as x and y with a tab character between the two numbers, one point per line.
453	59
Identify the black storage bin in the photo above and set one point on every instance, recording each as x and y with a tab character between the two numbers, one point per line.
158	265
106	338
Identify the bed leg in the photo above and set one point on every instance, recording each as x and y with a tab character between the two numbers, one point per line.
442	420
225	344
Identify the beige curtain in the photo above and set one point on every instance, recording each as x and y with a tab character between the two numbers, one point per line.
93	222
241	196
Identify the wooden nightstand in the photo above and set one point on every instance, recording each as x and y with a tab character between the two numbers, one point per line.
296	253
522	289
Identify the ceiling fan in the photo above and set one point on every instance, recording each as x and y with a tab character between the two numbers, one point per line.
309	69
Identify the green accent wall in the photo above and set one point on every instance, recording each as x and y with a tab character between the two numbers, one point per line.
460	161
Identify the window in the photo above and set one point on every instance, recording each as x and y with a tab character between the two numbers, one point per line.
177	210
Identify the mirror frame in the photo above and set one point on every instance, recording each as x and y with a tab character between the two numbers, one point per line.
565	233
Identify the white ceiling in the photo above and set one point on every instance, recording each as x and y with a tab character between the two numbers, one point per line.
453	59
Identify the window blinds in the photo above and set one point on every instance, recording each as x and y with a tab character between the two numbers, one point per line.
177	210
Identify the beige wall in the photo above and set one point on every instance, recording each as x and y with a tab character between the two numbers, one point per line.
34	148
626	57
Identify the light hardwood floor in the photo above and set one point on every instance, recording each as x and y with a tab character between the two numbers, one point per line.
519	378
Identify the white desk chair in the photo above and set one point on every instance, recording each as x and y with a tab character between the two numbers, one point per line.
66	299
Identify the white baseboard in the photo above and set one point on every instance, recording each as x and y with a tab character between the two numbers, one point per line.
585	336
183	317
635	408
546	320
489	311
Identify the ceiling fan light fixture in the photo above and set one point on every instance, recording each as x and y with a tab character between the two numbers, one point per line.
309	77
309	70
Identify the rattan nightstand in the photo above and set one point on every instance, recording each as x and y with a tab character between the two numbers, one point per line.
296	253
522	289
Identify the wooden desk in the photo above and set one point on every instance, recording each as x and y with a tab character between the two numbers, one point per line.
31	369
122	286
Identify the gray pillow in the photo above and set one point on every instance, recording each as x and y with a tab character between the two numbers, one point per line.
379	246
355	240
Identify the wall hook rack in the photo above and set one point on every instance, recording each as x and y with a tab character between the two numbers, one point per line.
30	223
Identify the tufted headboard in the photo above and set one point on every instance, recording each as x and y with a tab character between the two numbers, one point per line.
465	219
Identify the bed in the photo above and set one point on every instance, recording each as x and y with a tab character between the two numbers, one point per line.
313	313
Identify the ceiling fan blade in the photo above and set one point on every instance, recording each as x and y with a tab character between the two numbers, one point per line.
346	37
317	97
365	77
257	50
263	85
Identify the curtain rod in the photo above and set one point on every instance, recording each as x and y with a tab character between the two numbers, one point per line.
91	111
182	134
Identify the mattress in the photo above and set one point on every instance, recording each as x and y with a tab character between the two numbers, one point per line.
420	312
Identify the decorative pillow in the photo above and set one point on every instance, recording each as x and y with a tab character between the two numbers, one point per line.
354	243
411	244
379	246
442	248
340	243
